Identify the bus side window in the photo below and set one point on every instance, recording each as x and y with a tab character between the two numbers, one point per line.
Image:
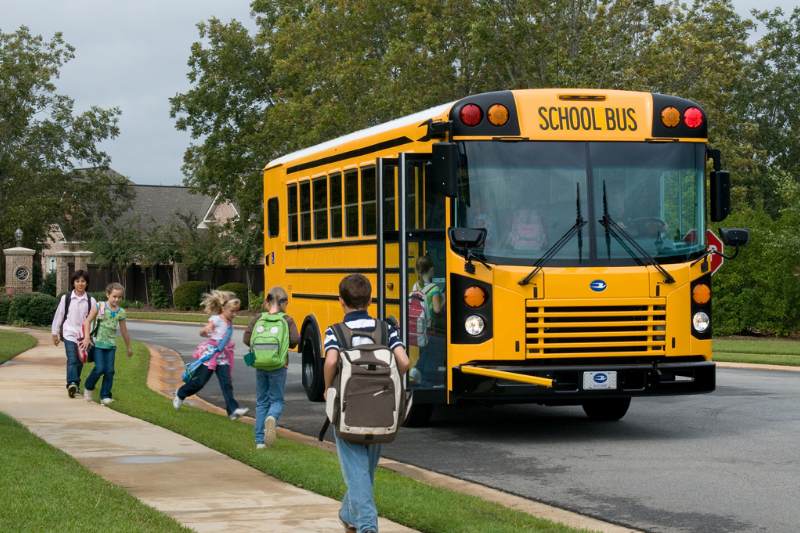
273	217
351	203
389	182
305	210
321	208
369	215
336	205
291	204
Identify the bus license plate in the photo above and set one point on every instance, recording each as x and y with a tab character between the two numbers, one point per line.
599	380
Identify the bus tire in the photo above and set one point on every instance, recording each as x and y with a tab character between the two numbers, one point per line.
311	357
606	409
419	416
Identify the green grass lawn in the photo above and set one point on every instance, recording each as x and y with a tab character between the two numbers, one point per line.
44	489
183	317
757	351
13	344
409	502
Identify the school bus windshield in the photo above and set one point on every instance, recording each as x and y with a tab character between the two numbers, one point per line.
529	194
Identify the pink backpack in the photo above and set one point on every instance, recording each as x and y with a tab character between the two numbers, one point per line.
527	231
419	315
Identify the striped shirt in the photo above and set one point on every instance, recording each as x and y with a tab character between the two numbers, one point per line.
360	321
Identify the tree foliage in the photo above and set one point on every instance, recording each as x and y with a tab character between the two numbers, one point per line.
42	142
319	69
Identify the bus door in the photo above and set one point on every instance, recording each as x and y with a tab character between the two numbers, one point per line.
420	211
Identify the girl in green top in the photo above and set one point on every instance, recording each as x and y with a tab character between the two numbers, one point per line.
109	315
432	356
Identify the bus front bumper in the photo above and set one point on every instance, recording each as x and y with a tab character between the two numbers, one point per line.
570	384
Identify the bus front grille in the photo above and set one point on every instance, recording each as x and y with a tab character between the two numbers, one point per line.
577	328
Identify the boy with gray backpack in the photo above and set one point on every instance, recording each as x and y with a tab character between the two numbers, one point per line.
364	360
270	336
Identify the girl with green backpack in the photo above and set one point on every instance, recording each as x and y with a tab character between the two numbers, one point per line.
270	336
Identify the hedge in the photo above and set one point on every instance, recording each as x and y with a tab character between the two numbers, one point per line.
5	304
240	289
33	308
188	296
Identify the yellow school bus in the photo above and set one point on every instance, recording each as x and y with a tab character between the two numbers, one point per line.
564	231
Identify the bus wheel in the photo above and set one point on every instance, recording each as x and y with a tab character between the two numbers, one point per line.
606	408
311	353
419	416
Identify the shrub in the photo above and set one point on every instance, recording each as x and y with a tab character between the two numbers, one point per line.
188	295
125	304
256	300
33	308
240	289
100	296
159	298
36	275
5	304
49	284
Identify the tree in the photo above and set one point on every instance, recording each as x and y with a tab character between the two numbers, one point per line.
42	142
199	249
117	245
245	246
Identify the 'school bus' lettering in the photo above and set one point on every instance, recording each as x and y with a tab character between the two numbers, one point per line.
587	118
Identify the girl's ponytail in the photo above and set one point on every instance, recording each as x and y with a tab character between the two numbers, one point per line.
215	302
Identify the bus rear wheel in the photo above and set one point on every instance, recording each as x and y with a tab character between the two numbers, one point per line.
311	354
606	409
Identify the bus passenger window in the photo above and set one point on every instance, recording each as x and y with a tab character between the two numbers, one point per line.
305	211
336	206
273	217
291	205
369	214
351	203
321	208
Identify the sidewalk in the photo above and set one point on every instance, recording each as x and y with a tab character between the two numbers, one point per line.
201	488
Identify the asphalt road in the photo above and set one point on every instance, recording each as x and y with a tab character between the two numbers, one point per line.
722	462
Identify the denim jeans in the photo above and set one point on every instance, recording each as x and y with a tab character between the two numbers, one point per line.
200	379
430	359
74	365
103	367
270	385
358	463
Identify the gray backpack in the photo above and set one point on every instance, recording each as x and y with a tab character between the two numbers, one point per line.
367	402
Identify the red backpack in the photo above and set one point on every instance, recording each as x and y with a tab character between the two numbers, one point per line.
420	315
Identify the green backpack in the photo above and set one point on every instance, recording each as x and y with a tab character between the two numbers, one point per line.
269	343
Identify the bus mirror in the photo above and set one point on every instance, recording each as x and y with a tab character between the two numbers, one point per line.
735	236
467	237
720	195
445	168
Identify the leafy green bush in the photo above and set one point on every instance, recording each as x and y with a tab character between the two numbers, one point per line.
125	304
188	295
159	298
33	308
100	296
240	289
49	283
256	300
5	304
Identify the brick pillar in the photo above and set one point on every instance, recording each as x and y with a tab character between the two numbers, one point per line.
62	271
82	260
180	275
19	269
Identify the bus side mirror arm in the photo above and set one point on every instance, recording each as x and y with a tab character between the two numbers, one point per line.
445	168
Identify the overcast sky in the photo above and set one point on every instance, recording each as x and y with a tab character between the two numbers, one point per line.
133	55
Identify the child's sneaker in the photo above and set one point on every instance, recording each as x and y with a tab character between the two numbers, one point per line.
239	412
260	446
72	390
88	395
269	431
106	401
177	402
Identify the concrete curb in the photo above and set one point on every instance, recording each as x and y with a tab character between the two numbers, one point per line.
164	377
752	366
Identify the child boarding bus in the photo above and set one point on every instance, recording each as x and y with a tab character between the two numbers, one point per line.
565	230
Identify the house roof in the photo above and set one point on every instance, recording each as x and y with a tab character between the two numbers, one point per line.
161	202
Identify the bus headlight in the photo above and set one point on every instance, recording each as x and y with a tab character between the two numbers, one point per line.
474	325
700	321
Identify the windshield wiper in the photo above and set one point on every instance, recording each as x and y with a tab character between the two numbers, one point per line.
576	228
615	230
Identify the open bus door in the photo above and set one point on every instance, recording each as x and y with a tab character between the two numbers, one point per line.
409	201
